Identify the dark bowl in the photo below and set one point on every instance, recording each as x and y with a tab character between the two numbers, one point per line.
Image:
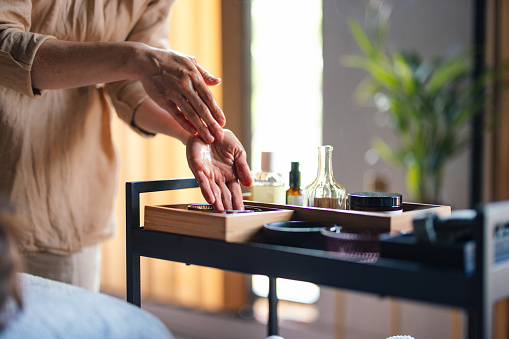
340	239
302	234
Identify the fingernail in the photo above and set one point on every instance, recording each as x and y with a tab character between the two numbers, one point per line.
221	120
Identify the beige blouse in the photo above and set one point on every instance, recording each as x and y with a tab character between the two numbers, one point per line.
57	160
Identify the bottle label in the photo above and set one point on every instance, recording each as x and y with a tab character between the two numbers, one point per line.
295	200
270	194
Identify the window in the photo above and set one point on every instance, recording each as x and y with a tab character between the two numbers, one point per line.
287	64
286	110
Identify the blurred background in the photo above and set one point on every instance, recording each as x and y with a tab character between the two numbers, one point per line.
284	89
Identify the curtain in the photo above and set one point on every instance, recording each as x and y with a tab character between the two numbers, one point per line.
194	29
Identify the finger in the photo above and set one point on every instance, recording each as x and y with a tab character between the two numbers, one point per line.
236	191
178	115
208	98
216	119
205	188
242	170
218	204
226	196
206	94
206	107
194	118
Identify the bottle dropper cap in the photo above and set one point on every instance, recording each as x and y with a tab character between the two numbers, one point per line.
295	175
295	167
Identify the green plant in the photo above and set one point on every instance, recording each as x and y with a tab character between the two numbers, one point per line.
430	103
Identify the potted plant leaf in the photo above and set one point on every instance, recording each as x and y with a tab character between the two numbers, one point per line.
430	103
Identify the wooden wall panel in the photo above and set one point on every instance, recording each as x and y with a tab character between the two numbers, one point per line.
497	141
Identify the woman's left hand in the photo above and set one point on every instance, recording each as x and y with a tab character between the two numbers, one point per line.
218	168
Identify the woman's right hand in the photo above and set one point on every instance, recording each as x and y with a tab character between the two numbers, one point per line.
179	85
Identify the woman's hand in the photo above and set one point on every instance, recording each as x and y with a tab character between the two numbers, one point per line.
178	84
218	168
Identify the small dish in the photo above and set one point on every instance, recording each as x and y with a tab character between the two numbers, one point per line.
302	234
210	208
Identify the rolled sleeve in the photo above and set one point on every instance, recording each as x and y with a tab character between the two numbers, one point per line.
151	29
18	46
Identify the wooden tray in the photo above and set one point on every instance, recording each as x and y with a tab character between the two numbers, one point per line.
242	227
369	220
228	227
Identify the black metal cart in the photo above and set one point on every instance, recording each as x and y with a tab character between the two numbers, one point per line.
475	292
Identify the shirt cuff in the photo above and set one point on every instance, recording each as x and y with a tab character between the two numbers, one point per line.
127	96
17	53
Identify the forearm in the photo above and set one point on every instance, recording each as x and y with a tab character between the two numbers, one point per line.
174	81
63	64
153	119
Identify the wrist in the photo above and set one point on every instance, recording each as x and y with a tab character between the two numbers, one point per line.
149	117
134	59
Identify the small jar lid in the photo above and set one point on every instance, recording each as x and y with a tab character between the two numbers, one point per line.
375	199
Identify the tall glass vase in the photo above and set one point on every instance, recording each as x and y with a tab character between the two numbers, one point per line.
324	191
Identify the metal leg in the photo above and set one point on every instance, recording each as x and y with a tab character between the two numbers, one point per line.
133	279
132	199
272	321
473	324
132	260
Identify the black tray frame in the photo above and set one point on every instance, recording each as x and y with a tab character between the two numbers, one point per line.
475	291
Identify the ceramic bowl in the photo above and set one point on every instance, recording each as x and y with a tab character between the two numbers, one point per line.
302	234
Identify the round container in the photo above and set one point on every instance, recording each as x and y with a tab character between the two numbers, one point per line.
302	234
376	202
339	239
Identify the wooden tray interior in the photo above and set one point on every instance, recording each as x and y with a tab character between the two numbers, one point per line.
379	222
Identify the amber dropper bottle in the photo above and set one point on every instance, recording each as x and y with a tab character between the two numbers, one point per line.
294	193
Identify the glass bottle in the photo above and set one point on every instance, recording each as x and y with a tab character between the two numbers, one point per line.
324	191
268	185
294	193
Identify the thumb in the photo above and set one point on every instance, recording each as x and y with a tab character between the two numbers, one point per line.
243	172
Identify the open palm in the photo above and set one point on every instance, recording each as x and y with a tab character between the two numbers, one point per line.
218	168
